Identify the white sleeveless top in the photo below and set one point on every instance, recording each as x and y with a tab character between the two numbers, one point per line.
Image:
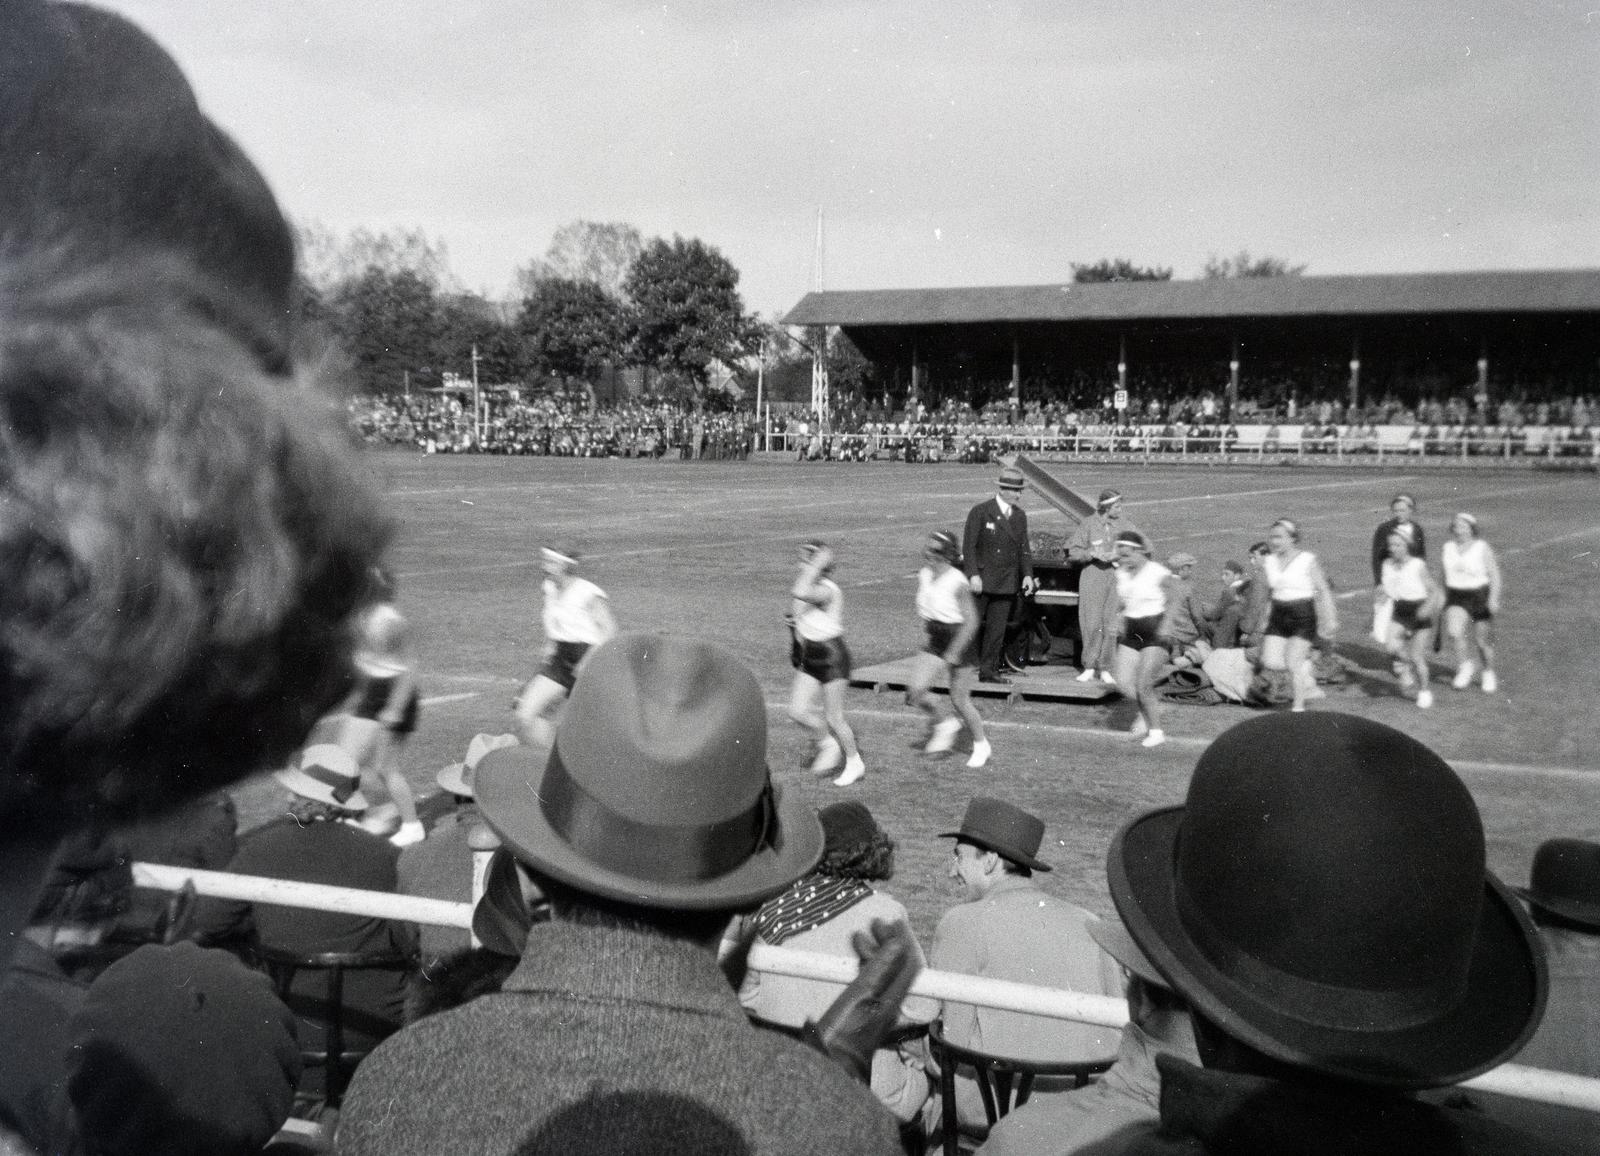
566	612
1405	581
1141	593
1466	567
1290	581
936	595
820	623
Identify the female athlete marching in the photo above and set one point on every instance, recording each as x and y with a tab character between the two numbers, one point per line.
577	618
823	667
1300	610
1471	595
1146	594
1414	600
949	616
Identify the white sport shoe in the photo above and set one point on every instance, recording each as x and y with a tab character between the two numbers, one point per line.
409	833
829	752
1490	682
1088	675
1155	738
1108	678
1424	698
1464	673
980	754
854	770
944	736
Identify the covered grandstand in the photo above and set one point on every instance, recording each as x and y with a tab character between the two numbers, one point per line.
1266	344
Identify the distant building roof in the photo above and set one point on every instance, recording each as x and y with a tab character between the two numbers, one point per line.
1543	291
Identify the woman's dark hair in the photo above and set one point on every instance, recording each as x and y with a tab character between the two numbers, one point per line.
873	859
184	542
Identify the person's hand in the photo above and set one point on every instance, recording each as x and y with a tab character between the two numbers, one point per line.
1328	630
867	1010
1030	584
976	582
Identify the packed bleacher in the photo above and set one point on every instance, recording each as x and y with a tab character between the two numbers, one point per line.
551	425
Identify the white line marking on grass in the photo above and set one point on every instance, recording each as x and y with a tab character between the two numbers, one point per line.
1572	537
1185	742
440	699
1226	496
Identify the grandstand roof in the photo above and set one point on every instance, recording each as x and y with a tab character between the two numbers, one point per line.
1544	291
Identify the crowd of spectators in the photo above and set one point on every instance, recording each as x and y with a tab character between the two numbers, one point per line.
550	425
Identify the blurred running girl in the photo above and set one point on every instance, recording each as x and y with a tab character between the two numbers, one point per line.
1414	601
577	618
1300	609
1471	595
824	669
1147	593
381	711
949	615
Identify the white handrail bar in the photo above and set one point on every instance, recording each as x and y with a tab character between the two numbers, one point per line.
1525	1083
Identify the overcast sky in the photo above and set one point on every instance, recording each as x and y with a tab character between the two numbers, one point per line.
946	143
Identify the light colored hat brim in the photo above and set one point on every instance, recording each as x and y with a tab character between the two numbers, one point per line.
508	783
453	779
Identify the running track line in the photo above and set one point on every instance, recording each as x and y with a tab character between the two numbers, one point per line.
1183	742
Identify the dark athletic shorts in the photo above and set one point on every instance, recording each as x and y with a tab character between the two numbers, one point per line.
942	634
1474	602
825	661
1293	620
1407	614
562	666
375	696
1138	633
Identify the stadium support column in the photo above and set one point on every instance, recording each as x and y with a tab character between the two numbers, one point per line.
819	378
916	380
1355	372
1016	374
1122	362
1233	380
1482	397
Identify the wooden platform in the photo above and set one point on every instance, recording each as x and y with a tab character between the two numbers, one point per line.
1057	682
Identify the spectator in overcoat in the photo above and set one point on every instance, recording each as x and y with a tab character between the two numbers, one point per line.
999	566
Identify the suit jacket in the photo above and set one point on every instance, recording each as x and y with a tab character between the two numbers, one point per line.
1380	545
602	1037
995	547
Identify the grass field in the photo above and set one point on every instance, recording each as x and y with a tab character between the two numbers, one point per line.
708	548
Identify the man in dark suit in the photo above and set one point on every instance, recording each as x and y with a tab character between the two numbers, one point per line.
999	566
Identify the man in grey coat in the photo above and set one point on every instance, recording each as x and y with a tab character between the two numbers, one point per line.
647	823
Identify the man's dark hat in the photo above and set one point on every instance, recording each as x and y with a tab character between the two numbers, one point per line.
103	144
655	790
1566	881
1323	897
1008	831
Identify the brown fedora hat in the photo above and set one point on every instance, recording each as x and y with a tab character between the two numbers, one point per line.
1008	831
1566	881
1322	896
655	790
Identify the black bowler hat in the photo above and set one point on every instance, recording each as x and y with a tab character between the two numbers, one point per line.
1566	881
655	790
1008	831
1322	896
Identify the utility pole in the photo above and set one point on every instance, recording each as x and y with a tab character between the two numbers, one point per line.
819	348
477	400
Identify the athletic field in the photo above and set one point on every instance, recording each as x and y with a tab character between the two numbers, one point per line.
708	549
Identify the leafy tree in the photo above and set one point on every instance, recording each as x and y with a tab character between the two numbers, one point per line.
850	374
328	260
601	253
389	323
1242	264
467	320
687	311
1117	269
570	328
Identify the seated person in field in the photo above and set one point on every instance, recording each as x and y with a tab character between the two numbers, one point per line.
1257	596
1227	613
320	840
1188	621
1563	896
1010	929
1126	1097
440	867
1317	1023
820	912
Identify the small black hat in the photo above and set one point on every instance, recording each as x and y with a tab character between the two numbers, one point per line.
1008	831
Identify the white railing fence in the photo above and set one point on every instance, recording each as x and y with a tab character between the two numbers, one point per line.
1508	1079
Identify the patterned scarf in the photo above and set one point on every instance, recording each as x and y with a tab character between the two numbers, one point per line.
809	903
